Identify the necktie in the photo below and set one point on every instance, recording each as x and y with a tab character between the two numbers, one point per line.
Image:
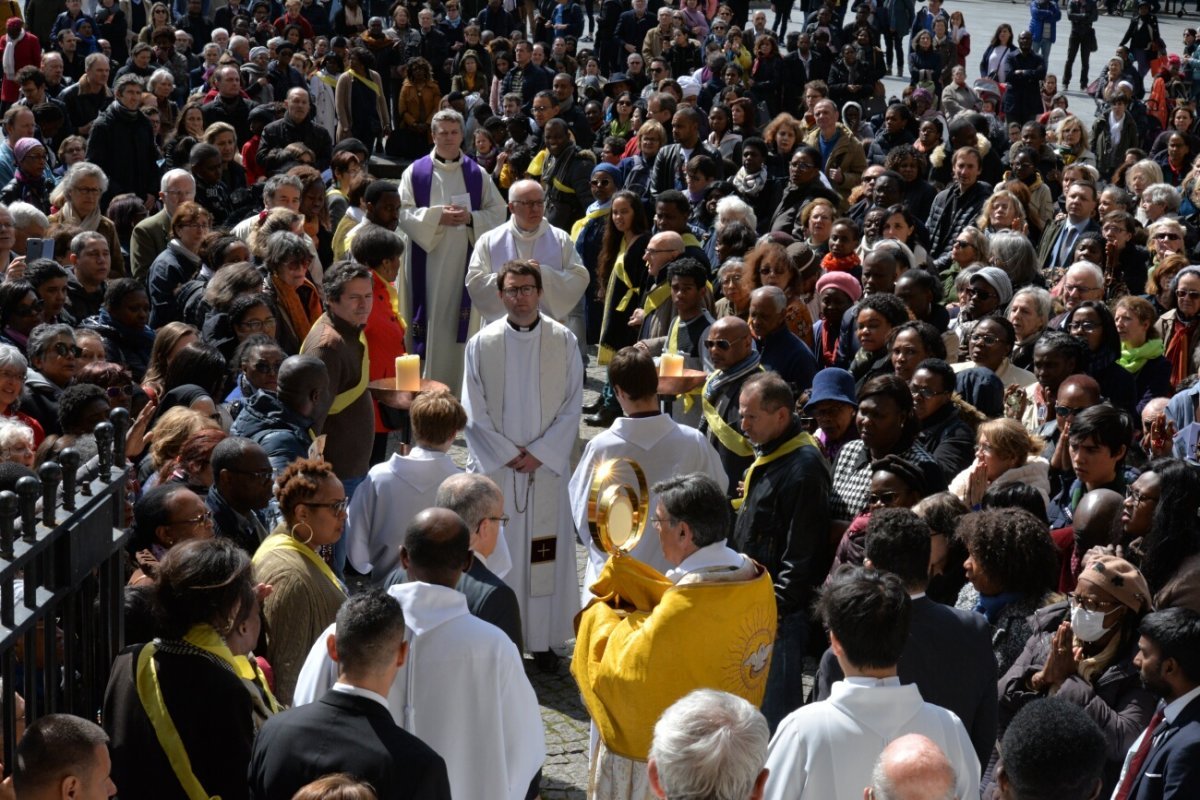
1064	249
1139	758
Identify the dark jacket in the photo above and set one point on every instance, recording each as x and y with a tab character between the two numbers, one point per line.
170	271
235	527
952	211
121	345
786	216
342	732
943	641
282	132
283	433
235	112
1174	764
81	304
784	522
784	352
1023	100
669	166
565	179
39	399
723	394
1115	700
949	440
122	143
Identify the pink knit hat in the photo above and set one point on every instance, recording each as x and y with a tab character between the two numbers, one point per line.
843	281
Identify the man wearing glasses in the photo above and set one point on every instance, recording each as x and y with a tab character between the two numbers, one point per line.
528	236
240	492
734	360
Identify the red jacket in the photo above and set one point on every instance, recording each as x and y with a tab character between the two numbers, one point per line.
385	337
304	24
29	51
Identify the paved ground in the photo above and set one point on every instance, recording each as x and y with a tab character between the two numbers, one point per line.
566	721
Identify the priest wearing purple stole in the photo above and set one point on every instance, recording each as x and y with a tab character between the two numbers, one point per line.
446	200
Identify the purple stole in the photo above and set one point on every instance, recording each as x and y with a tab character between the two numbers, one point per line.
422	181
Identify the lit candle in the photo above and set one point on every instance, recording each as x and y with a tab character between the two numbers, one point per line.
408	373
670	365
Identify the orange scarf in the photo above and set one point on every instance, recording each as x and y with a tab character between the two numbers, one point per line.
294	306
1178	349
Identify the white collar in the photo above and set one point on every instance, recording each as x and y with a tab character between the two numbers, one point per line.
871	683
715	555
1176	706
358	691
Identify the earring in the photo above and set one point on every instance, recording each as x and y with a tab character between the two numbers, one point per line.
311	532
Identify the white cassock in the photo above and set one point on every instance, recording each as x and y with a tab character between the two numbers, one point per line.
449	247
827	750
664	449
393	493
462	691
564	277
525	389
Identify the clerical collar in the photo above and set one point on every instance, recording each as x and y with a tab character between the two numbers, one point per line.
454	160
644	414
524	328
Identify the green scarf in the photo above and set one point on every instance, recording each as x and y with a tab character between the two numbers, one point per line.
1134	358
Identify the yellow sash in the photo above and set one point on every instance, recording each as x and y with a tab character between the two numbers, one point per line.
207	639
370	84
656	298
285	541
537	163
344	399
801	439
331	80
729	438
150	693
580	224
689	397
562	187
620	274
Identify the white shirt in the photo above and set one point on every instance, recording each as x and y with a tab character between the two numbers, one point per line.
358	691
712	556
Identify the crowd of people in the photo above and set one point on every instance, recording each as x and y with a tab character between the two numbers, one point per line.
936	431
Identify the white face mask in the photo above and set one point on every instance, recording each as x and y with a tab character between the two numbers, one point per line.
1088	626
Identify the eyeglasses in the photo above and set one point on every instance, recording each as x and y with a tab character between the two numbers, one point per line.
265	367
626	102
116	392
982	294
1075	288
205	518
530	203
1090	603
769	270
337	506
804	165
651	252
67	350
1067	411
957	244
984	338
256	325
503	520
258	474
661	522
1187	294
1137	497
882	498
520	291
538	109
1085	326
720	344
921	391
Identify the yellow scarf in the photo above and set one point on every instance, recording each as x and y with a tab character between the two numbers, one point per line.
344	399
580	224
329	80
689	398
658	295
801	439
150	694
729	438
285	541
370	84
618	274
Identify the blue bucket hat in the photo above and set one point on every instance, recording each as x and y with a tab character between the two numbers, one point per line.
835	384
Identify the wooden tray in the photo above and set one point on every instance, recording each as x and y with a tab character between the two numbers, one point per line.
690	379
385	392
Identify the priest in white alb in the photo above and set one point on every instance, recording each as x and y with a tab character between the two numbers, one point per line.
658	444
446	200
398	489
523	388
463	689
528	237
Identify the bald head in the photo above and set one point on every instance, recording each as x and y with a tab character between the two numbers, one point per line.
912	768
1095	520
729	341
771	294
1153	409
304	385
667	240
436	547
471	496
526	190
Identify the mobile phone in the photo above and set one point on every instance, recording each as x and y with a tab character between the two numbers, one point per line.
36	248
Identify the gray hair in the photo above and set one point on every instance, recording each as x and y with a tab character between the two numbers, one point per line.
729	266
1162	222
25	215
44	335
1042	301
171	175
236	40
1163	193
12	357
1013	253
963	279
1146	167
13	434
81	240
735	207
276	181
774	292
93	59
710	744
1093	272
932	769
697	500
446	115
284	246
158	76
471	496
80	169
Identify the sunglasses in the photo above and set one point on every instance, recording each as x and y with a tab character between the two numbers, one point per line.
881	498
1187	294
63	349
719	344
267	367
116	392
29	310
921	391
1066	411
1167	237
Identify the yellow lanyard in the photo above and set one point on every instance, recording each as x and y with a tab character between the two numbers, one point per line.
726	434
800	440
620	274
689	397
284	541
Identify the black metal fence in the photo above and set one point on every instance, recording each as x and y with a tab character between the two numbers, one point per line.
61	579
